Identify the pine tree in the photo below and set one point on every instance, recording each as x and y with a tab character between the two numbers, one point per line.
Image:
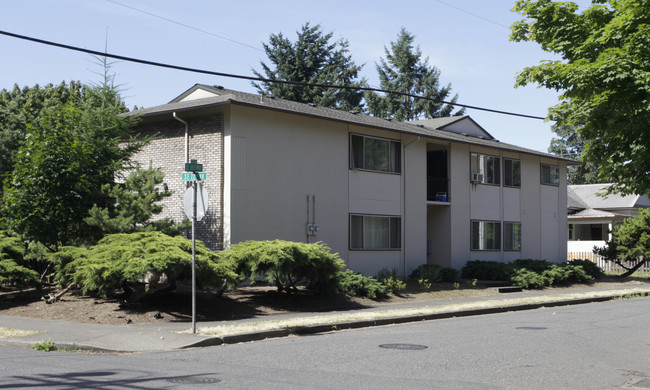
313	58
405	71
134	204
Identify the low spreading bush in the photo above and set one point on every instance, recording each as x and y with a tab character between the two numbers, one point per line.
529	273
14	274
286	263
448	275
434	273
391	280
589	267
431	272
567	274
121	260
13	269
356	285
529	279
486	270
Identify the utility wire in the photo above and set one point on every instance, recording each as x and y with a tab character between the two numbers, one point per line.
251	78
184	25
467	12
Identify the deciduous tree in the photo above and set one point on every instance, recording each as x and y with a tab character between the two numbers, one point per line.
604	77
69	151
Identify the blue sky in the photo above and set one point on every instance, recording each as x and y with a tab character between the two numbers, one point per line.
466	39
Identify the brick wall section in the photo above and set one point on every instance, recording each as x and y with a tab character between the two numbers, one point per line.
167	151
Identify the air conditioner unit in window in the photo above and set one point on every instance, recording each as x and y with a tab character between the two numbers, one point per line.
476	177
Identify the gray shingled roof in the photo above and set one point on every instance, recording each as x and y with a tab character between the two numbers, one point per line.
587	196
226	96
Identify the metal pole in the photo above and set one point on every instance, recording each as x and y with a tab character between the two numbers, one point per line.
194	256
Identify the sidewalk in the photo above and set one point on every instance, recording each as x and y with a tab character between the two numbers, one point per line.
170	336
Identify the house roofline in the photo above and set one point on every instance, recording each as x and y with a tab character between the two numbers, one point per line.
229	97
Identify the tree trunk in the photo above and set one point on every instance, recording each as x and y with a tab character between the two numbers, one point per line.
53	298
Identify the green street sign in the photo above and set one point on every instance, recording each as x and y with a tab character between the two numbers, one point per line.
193	166
190	176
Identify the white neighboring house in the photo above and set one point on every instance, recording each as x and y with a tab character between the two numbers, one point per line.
591	215
381	193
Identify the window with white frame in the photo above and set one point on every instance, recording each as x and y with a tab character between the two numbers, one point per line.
486	235
375	154
373	232
550	175
512	236
485	169
511	172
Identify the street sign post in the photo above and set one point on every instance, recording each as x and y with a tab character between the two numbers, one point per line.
199	206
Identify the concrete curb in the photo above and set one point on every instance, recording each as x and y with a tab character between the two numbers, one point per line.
336	326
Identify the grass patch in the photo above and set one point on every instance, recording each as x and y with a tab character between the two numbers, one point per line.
46	346
258	326
10	333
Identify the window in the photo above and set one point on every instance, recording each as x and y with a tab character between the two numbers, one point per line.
512	236
550	175
486	235
375	154
488	168
511	172
375	232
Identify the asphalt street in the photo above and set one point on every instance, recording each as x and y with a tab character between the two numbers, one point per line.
591	346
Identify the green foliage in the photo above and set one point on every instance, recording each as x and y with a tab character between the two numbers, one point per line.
20	108
430	272
13	270
391	279
150	256
589	267
424	284
45	346
529	279
538	266
435	273
14	274
486	270
70	150
312	58
603	74
530	273
286	263
356	285
405	71
11	247
630	241
135	202
448	275
567	274
569	144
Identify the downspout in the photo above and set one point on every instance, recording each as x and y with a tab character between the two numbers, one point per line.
187	137
404	207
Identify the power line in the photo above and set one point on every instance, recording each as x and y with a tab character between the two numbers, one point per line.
183	24
251	78
469	13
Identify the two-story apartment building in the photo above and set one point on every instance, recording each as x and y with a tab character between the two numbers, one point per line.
381	193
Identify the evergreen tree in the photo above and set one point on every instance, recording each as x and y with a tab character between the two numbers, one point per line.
135	202
313	58
630	242
405	71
